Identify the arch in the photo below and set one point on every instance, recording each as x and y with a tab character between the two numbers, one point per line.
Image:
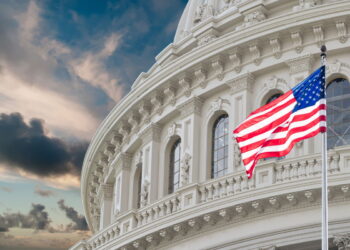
337	69
219	148
273	86
338	112
174	166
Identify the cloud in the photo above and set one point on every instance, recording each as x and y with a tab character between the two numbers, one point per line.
44	192
26	146
92	69
37	219
78	220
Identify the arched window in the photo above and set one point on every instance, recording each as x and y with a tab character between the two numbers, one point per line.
174	170
273	97
338	113
219	157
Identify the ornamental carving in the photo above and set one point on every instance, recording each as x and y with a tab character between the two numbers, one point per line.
217	104
301	64
297	40
318	34
192	106
336	67
243	82
342	31
200	76
172	129
185	168
144	192
218	66
253	17
306	4
342	241
276	47
276	83
235	60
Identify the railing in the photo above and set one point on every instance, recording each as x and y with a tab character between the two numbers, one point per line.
268	173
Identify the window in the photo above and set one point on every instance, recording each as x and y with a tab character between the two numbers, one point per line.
272	98
220	147
174	170
338	113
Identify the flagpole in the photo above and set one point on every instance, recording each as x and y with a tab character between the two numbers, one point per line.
324	173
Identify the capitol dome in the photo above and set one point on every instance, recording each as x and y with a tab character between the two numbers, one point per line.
163	172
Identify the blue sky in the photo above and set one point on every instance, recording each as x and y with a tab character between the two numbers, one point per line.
64	64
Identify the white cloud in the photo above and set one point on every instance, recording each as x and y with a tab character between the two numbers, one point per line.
59	113
91	68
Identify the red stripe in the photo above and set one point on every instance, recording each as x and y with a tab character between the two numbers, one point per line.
282	129
273	103
262	117
268	127
284	152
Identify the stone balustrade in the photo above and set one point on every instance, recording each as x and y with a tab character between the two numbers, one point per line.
268	173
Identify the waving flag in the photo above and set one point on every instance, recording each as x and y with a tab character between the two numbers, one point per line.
272	130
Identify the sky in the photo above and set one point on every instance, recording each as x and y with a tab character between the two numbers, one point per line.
64	64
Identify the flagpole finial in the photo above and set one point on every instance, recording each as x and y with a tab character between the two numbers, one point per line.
323	54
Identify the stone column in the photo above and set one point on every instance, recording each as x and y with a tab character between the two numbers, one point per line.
190	140
241	88
150	164
106	205
122	186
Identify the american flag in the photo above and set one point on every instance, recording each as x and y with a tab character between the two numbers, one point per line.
272	130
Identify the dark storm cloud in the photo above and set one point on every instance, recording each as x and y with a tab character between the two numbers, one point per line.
78	220
44	192
26	146
37	219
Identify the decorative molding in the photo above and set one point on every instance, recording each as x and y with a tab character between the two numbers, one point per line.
255	53
151	133
235	59
185	83
217	104
200	76
300	64
191	106
170	93
241	83
185	168
342	30
157	102
276	47
217	63
342	241
107	191
306	4
145	111
172	129
253	16
297	40
318	34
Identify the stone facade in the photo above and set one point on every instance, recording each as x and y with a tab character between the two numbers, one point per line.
228	57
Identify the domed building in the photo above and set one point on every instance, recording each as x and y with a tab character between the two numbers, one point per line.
163	172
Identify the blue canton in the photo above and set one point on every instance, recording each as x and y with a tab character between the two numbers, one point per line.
310	90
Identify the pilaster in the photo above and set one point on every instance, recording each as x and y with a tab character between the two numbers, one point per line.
190	153
150	163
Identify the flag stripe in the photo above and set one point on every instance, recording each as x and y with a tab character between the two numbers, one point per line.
272	130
